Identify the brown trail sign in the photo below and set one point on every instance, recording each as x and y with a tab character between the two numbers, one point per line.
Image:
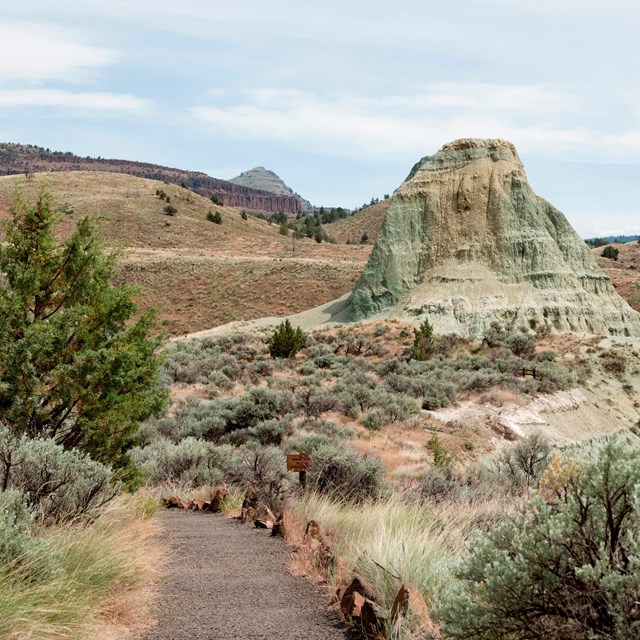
299	462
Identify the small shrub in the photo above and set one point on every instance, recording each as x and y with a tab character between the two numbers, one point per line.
610	252
441	456
26	556
344	475
286	341
373	420
439	485
170	210
188	463
58	484
216	218
422	342
243	215
523	464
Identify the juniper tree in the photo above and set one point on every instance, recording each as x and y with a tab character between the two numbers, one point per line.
74	363
422	342
286	341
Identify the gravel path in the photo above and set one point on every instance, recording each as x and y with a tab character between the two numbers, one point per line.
231	581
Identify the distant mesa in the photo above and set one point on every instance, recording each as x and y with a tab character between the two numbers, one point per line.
466	242
266	180
27	158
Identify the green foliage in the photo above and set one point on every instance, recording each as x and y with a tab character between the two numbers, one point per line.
284	229
523	464
568	567
345	475
170	210
610	252
286	341
365	238
441	456
374	420
74	366
422	342
216	218
188	463
59	485
243	215
216	199
24	555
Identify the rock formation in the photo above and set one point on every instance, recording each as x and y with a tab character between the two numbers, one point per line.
266	180
466	242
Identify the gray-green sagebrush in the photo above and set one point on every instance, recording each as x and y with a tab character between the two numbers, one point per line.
566	568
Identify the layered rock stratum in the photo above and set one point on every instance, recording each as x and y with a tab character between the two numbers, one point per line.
17	158
267	180
466	242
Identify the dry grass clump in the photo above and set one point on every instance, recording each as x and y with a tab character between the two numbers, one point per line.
396	540
96	582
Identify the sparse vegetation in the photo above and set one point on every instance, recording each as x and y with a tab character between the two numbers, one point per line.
216	218
611	252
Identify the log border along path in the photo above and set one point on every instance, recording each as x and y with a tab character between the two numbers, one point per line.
228	581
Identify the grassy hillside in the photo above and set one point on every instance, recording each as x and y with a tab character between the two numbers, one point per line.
352	228
625	272
198	273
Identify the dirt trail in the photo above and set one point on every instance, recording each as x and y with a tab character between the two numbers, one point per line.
230	581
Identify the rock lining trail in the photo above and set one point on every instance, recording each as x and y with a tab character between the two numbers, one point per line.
226	580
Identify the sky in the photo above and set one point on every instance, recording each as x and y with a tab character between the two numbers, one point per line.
339	98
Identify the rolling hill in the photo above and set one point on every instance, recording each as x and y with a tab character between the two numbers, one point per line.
197	273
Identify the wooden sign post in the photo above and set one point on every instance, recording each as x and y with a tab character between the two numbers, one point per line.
299	462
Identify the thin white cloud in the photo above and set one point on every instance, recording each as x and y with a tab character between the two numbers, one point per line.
397	125
475	95
58	98
34	53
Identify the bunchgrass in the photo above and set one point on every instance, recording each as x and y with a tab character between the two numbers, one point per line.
395	540
96	580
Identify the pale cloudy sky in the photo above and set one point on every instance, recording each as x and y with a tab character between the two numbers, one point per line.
340	98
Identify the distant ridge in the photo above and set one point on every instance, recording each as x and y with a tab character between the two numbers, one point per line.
19	158
610	239
267	180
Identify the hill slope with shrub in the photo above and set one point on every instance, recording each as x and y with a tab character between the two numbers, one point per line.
199	274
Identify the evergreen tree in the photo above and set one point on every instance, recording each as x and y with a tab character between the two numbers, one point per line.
74	366
422	342
286	341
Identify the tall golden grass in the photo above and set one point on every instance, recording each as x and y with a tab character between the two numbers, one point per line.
100	585
396	540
